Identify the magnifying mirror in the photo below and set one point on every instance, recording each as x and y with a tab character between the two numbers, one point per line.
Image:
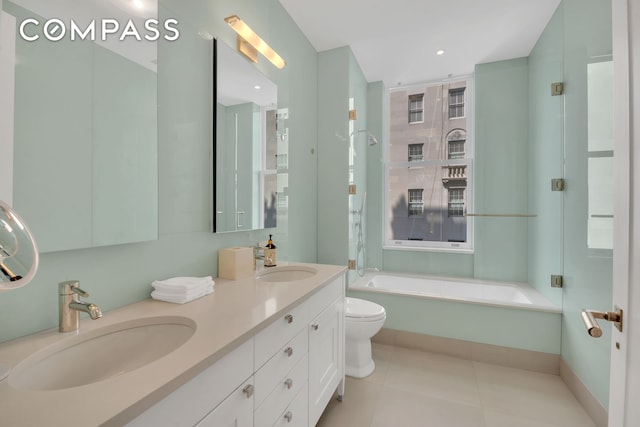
18	251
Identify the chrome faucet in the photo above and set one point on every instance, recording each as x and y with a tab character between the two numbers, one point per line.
70	306
256	254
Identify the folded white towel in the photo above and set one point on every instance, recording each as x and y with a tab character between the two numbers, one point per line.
182	289
180	299
183	284
178	291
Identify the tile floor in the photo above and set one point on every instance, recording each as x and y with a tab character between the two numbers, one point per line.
415	388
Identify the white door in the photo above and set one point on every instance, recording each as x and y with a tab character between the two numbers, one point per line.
625	352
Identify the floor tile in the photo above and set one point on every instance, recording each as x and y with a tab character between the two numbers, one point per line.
434	375
530	395
408	409
356	408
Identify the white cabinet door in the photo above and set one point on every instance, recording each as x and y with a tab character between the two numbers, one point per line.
326	363
235	411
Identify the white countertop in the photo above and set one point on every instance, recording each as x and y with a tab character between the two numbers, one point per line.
234	312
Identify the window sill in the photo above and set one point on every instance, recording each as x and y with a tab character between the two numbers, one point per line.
407	247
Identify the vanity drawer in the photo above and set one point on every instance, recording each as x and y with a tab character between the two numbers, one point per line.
325	296
278	333
270	375
281	397
195	399
296	414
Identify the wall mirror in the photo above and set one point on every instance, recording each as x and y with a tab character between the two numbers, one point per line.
248	145
84	126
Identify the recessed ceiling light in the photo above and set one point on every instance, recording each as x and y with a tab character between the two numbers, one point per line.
257	87
138	4
440	52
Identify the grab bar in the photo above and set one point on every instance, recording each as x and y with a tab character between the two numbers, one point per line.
593	329
502	215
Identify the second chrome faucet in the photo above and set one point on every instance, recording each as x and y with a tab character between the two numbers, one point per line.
70	306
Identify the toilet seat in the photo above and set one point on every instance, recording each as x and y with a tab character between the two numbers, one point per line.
358	310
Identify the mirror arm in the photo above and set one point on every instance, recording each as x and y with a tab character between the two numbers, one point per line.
10	274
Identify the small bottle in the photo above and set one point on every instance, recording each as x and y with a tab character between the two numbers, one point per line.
270	253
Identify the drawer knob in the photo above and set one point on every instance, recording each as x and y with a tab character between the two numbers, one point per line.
288	318
289	383
248	390
315	326
288	416
288	351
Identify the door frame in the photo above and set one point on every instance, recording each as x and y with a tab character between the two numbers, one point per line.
625	351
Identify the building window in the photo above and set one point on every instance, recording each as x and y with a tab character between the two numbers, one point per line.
429	184
456	202
415	152
456	149
416	108
456	103
416	205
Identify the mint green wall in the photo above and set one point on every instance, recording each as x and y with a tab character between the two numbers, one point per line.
120	275
333	155
500	169
376	107
546	153
587	273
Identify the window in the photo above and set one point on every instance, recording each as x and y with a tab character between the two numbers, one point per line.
456	202
415	152
456	149
416	108
416	205
456	103
428	168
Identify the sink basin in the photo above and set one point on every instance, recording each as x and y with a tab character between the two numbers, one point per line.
102	353
286	274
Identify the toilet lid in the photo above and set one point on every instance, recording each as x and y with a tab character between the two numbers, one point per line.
355	308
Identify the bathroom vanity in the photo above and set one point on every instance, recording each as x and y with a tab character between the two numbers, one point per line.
265	351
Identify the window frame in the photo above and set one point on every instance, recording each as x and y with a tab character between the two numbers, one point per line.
426	245
414	157
457	105
415	110
411	202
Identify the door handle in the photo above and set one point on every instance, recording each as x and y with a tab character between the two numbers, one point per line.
589	318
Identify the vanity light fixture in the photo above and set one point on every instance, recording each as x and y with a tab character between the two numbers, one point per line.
247	35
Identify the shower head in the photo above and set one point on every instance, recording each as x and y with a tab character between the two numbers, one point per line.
370	137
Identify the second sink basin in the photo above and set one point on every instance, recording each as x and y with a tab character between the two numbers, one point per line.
286	273
102	353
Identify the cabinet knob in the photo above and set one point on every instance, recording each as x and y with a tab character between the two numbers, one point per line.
288	318
288	351
315	326
288	416
248	390
289	383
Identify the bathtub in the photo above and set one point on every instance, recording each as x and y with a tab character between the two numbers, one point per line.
506	314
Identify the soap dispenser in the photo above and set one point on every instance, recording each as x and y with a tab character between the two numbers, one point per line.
270	253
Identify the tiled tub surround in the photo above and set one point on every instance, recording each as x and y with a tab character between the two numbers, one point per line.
232	314
495	313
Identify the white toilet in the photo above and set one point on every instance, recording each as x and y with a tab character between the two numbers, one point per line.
363	319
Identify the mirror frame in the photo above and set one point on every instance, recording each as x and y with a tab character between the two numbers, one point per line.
32	247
